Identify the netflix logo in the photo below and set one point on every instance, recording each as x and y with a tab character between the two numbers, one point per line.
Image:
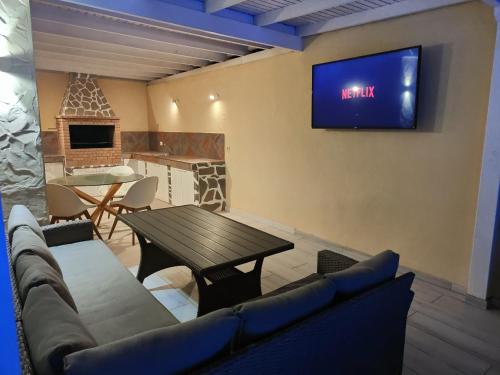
358	92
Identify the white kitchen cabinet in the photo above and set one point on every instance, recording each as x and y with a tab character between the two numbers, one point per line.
54	170
160	171
182	187
141	167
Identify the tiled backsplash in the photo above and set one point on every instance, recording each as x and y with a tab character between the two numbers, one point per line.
135	141
50	143
208	145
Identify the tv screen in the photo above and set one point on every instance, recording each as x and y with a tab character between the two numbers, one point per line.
370	92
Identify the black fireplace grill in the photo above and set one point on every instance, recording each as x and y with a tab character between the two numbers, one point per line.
91	136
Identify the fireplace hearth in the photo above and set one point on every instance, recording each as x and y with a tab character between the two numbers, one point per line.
91	136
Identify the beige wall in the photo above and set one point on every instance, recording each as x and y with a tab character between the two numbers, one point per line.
128	99
51	87
412	191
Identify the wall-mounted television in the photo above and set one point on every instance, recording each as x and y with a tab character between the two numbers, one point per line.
377	91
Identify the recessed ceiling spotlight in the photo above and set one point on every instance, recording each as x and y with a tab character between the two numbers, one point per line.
175	101
213	97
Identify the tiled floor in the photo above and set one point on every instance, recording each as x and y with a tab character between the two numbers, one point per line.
444	335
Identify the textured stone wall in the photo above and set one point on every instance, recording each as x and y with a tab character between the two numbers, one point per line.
210	185
84	97
209	181
21	162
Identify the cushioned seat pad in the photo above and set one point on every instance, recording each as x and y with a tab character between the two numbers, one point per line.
111	302
19	216
24	240
53	330
265	316
293	285
32	271
172	350
366	274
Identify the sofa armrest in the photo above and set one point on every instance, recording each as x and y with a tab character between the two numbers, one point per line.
70	232
330	262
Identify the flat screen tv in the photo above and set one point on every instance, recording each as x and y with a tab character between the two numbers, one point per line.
370	92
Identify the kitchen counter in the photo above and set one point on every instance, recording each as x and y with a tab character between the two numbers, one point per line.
176	161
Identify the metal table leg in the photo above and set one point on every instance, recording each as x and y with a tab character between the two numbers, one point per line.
152	259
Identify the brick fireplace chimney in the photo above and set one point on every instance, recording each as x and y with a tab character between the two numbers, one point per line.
84	113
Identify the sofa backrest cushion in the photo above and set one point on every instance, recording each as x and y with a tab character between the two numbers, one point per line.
53	330
171	350
265	316
19	216
24	240
32	271
365	274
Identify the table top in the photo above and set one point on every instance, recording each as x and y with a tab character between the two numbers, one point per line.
95	179
202	240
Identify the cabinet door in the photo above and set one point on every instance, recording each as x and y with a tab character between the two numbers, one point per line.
141	167
53	170
161	172
132	163
188	187
176	176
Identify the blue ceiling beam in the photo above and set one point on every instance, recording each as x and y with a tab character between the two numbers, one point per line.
157	11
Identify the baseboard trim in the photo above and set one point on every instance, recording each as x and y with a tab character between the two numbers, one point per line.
478	302
260	219
357	254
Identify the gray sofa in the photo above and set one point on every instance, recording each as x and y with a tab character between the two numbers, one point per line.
81	312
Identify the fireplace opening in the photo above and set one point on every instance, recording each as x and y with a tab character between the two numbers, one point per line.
91	136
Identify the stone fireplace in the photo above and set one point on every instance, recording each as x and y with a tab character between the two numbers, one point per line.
87	127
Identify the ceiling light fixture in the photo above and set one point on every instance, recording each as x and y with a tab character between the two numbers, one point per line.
213	97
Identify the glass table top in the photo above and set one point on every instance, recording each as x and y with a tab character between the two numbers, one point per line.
96	179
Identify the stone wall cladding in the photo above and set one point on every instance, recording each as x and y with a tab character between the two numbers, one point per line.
210	185
84	97
22	179
84	103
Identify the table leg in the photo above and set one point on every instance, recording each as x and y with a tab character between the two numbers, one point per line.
228	291
102	205
153	259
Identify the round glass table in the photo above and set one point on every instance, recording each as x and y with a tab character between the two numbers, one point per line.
97	179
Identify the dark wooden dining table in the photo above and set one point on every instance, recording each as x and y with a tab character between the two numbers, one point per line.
211	245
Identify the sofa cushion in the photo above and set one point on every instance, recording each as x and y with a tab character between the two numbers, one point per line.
294	285
366	274
53	330
19	216
111	302
265	316
170	350
32	271
24	240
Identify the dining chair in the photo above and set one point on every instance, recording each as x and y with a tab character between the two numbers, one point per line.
119	170
138	198
64	204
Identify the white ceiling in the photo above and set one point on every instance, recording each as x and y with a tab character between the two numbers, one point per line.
151	39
